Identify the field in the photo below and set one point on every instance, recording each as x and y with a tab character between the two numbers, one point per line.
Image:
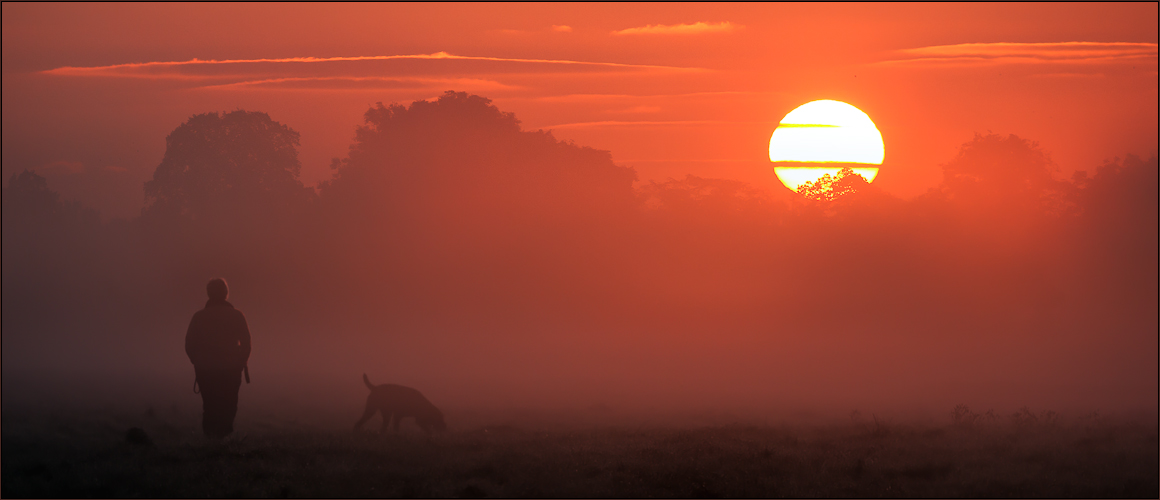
91	455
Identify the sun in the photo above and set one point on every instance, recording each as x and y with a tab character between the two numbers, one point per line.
822	137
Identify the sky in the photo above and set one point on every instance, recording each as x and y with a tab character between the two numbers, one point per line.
642	256
91	91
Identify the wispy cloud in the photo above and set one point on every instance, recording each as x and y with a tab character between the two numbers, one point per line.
1055	53
690	160
360	83
562	28
636	109
680	29
362	73
1071	75
150	69
618	123
613	97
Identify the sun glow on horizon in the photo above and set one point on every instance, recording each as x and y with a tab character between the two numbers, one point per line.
821	137
793	177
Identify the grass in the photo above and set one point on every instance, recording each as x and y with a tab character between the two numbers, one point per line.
89	456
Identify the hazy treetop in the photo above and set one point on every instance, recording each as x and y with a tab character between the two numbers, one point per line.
215	162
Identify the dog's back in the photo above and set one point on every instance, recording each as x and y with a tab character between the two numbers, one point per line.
397	402
402	401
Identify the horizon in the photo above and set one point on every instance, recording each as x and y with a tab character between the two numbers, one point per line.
605	249
666	95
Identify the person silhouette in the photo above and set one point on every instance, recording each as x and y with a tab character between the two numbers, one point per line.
218	345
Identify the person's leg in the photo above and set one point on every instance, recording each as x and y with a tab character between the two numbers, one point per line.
208	385
231	382
219	395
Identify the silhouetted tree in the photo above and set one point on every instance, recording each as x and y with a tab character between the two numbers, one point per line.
1004	172
1118	220
46	241
461	154
27	197
1120	189
30	204
827	188
451	194
233	165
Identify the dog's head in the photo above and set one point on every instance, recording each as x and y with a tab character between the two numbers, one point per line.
432	421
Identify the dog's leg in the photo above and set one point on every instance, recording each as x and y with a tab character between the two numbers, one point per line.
387	418
397	420
370	412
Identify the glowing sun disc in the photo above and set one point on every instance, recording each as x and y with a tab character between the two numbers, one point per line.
817	136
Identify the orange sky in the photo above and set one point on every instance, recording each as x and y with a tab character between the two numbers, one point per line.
91	91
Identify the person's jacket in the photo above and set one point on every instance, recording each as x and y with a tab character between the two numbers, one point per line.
218	338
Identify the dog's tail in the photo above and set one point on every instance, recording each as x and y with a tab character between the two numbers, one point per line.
367	381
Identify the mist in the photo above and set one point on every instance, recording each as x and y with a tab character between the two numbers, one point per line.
500	269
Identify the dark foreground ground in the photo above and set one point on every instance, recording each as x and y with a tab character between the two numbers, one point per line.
90	456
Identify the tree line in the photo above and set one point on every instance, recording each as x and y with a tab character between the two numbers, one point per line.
447	211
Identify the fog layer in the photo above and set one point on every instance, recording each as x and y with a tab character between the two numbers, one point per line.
493	267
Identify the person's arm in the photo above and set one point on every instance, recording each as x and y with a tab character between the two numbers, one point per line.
243	340
192	349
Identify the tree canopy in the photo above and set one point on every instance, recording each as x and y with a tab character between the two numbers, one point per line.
30	204
460	153
827	188
226	165
1004	172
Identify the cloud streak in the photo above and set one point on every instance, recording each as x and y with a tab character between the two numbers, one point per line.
148	69
358	83
1055	53
696	28
607	97
645	123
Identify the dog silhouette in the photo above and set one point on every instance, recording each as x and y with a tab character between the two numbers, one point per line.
396	402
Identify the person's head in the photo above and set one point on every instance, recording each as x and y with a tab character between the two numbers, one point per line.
217	289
